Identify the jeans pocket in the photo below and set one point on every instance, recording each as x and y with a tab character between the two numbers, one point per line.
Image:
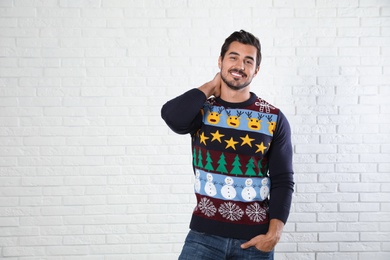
259	254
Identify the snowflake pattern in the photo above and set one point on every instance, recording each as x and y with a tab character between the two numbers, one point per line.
231	211
256	213
207	207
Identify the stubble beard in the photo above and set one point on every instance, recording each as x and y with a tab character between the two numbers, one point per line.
231	84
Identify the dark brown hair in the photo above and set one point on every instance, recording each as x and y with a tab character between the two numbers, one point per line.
244	38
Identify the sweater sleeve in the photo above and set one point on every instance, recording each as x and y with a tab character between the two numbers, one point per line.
182	114
281	171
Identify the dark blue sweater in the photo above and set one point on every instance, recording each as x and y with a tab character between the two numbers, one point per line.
242	161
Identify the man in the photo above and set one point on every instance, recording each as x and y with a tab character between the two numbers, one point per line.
242	159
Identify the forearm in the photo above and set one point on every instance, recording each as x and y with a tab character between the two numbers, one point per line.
182	113
275	228
281	171
282	188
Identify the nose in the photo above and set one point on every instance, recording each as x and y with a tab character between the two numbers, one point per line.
241	64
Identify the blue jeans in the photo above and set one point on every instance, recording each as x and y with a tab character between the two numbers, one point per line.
201	246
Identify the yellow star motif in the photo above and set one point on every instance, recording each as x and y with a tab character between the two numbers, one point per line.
231	143
203	138
247	140
261	148
217	136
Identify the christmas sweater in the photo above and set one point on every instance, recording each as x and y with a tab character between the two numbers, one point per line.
242	161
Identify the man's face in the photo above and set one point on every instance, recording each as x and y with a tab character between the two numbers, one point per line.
238	66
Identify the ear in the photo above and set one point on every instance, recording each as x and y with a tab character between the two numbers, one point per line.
257	70
219	62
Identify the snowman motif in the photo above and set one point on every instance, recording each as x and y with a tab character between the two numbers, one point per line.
197	181
209	188
264	190
248	193
228	191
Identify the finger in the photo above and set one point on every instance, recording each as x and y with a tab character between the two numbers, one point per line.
247	244
217	82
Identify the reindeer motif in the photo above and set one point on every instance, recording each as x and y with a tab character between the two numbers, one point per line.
271	125
214	117
233	121
254	123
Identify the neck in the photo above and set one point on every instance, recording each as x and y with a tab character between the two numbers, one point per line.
234	96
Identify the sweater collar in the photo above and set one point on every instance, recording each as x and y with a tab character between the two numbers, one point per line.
246	103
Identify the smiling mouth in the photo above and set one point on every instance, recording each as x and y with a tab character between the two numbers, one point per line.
237	74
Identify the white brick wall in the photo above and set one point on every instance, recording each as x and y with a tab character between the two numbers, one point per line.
88	170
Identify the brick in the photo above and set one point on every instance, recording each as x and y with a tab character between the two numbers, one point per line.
327	158
375	197
337	256
339	178
339	236
84	240
344	217
322	247
315	227
84	200
376	216
41	221
377	255
357	227
9	222
318	207
64	250
42	240
361	207
316	148
375	236
338	197
314	168
359	247
358	187
23	251
355	167
83	3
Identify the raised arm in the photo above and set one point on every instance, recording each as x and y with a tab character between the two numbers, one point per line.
182	114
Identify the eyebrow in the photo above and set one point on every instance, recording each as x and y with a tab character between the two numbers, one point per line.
235	53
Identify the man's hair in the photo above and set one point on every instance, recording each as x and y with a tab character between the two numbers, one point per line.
244	38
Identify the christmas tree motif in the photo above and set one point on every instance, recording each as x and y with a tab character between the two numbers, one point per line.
236	169
194	156
263	168
260	164
222	164
209	161
250	168
200	159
